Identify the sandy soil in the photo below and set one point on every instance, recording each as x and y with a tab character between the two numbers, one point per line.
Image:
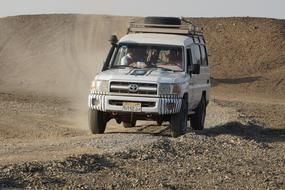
41	128
47	149
46	65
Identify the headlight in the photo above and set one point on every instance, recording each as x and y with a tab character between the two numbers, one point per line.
176	89
100	86
169	89
164	89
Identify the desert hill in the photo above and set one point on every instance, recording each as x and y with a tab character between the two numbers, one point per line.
61	53
247	54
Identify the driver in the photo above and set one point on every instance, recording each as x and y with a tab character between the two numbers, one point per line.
134	56
128	58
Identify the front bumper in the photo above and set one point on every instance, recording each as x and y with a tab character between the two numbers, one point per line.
163	105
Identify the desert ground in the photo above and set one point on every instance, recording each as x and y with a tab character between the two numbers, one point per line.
46	65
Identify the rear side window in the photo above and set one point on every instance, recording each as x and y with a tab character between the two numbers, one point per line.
204	60
189	57
196	56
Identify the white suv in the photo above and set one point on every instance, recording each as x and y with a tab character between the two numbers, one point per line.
158	71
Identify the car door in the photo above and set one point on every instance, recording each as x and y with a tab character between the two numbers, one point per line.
190	82
196	78
204	71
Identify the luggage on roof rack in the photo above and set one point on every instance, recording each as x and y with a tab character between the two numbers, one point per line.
152	25
162	20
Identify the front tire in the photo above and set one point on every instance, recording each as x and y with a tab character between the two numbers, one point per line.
97	121
178	122
198	119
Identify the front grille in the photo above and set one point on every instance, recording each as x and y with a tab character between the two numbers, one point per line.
120	103
142	88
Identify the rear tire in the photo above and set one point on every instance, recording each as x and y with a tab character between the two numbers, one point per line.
198	119
129	124
159	123
178	122
97	121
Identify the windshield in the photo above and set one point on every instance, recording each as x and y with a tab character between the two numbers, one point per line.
149	56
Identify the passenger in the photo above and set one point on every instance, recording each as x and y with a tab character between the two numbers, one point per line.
175	58
153	58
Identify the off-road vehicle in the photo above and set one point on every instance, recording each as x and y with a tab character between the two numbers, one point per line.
158	71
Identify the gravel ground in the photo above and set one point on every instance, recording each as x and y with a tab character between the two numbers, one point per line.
237	150
192	161
41	129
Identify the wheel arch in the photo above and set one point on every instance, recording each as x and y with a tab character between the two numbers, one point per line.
185	95
204	93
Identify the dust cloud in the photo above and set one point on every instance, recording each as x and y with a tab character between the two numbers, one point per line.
56	55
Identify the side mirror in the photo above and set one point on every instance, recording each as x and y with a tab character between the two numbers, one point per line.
196	69
113	40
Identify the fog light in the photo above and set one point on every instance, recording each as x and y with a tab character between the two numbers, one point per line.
170	106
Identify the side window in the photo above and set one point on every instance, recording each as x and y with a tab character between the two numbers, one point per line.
203	55
189	57
204	49
196	56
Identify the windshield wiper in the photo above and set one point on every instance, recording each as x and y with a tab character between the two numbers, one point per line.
122	66
167	69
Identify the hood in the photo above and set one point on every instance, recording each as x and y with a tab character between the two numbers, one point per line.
156	75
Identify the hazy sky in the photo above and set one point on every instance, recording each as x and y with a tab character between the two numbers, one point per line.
195	8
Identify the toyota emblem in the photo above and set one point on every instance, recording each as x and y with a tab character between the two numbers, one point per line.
133	88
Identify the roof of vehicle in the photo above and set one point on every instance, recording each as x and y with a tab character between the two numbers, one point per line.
152	38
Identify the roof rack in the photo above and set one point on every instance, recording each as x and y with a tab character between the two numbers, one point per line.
183	29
